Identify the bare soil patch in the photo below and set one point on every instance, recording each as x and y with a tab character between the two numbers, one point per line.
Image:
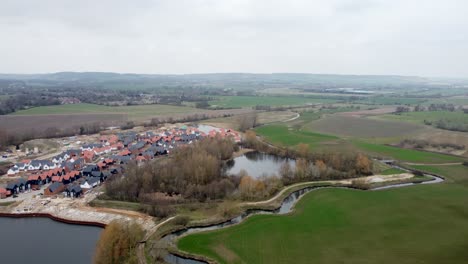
378	111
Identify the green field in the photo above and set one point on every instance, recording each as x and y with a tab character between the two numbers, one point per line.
419	224
284	136
250	101
392	171
360	127
408	155
388	100
137	111
455	173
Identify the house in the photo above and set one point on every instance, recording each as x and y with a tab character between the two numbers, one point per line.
74	191
98	174
101	165
35	180
73	152
124	152
48	165
89	169
13	170
4	193
34	165
57	179
22	184
54	188
90	146
90	182
60	158
12	187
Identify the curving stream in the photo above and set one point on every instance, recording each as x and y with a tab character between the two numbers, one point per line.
286	207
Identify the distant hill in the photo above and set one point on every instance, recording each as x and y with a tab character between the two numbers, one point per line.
225	80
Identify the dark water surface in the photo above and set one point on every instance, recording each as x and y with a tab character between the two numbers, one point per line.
257	164
42	240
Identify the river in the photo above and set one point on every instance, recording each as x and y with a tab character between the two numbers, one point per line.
42	240
286	207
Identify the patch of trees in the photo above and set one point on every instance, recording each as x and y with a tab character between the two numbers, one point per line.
118	243
402	109
157	121
422	144
441	107
448	124
313	166
192	172
247	121
14	138
24	101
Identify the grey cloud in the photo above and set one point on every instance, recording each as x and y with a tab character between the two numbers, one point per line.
415	37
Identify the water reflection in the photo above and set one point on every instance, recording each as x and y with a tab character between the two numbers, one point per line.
257	164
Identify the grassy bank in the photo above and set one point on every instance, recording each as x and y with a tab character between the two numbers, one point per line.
333	225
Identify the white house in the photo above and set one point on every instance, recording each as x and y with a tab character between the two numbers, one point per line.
35	165
48	165
13	170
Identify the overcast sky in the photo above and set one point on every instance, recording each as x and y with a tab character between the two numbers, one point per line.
406	37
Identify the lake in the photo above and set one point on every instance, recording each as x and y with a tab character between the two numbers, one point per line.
42	240
258	164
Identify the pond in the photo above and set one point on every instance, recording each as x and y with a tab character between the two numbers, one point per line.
257	164
42	240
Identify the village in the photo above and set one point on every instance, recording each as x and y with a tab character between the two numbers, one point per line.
73	175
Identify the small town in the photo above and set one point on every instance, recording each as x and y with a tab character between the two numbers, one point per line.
75	172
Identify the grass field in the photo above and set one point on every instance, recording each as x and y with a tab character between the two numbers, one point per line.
391	171
284	136
408	155
455	173
419	224
388	100
249	101
363	127
137	111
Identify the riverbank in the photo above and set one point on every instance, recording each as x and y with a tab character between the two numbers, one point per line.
281	203
73	211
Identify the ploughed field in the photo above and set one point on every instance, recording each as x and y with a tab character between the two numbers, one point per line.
39	123
74	115
417	224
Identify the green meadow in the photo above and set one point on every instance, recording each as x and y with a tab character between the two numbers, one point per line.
284	136
250	101
418	224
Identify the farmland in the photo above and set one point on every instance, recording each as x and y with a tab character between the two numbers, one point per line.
133	112
250	101
22	124
409	155
333	225
281	135
363	127
419	117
